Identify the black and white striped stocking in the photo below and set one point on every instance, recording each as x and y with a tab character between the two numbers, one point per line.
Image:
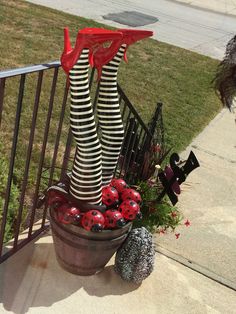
109	116
86	178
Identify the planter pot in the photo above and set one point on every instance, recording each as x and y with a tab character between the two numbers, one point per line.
83	252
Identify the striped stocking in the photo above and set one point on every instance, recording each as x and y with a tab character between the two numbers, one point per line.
86	178
109	117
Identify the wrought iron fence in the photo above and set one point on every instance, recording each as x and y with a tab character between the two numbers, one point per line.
36	147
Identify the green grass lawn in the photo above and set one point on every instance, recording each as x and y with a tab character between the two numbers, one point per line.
156	71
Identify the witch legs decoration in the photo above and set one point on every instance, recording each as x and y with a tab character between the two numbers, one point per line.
95	162
86	177
109	117
110	120
85	183
95	159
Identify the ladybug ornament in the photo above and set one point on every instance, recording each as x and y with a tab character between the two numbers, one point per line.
113	219
74	213
131	194
130	210
93	220
55	200
67	214
110	195
119	184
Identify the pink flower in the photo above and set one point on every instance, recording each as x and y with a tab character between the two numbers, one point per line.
156	148
177	235
187	223
173	214
162	231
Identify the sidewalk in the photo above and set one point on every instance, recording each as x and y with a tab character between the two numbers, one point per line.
220	6
208	200
33	282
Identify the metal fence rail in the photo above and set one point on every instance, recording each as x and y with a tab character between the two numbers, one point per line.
37	146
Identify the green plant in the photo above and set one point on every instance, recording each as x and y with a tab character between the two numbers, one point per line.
13	201
158	216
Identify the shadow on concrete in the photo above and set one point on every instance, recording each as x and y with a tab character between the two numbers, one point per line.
33	278
107	283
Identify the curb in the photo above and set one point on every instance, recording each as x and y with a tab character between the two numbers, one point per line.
203	8
196	267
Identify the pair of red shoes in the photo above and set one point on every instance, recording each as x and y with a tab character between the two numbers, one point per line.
93	39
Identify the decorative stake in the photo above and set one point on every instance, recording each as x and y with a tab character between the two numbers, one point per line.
171	183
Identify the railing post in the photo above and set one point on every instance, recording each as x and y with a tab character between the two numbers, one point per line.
12	160
2	88
63	108
29	151
66	156
51	101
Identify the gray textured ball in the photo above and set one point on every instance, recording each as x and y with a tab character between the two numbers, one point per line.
134	260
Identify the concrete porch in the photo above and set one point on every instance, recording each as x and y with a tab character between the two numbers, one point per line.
33	282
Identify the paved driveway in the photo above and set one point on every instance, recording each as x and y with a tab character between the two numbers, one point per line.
178	24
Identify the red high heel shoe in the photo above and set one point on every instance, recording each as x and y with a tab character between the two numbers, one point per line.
90	38
129	37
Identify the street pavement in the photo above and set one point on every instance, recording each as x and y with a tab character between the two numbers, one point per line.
184	26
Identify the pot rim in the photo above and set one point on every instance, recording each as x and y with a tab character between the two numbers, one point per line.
77	230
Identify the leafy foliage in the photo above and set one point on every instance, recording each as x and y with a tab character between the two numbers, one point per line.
157	216
226	75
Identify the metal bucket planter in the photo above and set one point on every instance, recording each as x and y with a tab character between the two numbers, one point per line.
83	252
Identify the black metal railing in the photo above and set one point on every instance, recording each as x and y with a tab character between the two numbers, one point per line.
138	140
36	147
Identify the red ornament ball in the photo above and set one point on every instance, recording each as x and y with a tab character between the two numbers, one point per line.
67	214
93	220
113	219
119	184
131	194
130	210
54	199
109	195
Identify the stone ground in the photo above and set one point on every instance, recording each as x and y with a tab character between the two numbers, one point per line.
32	282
